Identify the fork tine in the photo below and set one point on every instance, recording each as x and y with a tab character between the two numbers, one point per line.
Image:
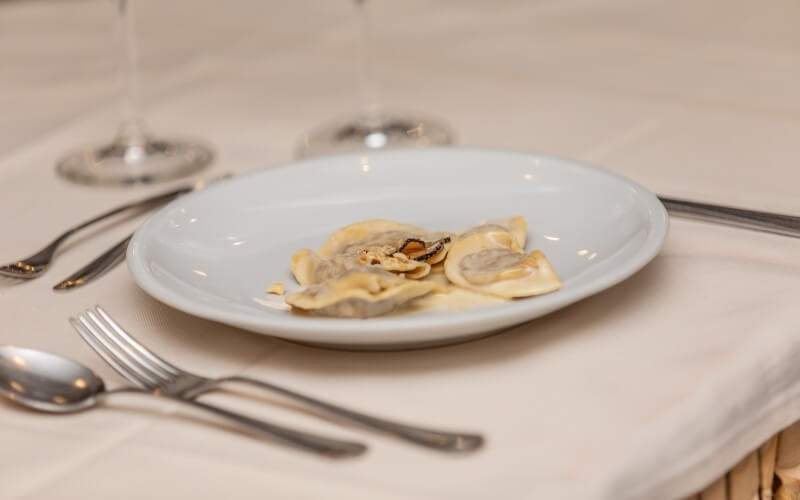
165	365
89	339
130	367
121	343
15	271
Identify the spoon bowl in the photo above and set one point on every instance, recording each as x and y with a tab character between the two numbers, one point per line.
47	382
53	384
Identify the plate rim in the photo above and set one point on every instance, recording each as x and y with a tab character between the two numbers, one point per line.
351	332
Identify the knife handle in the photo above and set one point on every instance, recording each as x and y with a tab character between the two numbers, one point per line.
116	254
97	267
769	222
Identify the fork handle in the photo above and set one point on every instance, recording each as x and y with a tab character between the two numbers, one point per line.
334	448
439	440
328	447
116	254
770	222
150	200
158	198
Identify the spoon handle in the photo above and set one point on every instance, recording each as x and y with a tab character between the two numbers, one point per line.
331	448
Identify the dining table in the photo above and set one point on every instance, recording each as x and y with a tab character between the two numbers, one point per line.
683	381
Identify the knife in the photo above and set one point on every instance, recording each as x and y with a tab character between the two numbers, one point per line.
116	254
97	267
769	222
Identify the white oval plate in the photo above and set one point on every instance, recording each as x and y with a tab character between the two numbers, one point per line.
214	252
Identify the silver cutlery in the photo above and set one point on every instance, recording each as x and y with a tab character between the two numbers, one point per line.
786	225
108	259
33	266
145	369
770	222
96	268
51	383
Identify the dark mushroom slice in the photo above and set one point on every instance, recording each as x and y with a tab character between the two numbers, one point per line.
420	250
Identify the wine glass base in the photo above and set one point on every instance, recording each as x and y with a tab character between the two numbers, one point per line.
375	133
123	163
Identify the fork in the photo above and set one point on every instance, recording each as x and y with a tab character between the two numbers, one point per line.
33	266
141	366
332	448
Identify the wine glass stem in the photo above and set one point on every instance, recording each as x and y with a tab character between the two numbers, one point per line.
131	130
366	55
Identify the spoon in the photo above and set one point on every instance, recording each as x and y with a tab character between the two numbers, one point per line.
51	383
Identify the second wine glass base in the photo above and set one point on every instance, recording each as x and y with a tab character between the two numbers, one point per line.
374	133
121	163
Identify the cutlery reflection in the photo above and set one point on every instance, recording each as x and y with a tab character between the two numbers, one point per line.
50	383
145	369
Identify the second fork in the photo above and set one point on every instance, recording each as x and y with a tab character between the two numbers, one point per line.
332	448
178	382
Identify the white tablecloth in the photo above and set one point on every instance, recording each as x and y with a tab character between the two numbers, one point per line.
649	390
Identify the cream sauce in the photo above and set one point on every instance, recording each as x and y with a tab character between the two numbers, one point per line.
456	299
